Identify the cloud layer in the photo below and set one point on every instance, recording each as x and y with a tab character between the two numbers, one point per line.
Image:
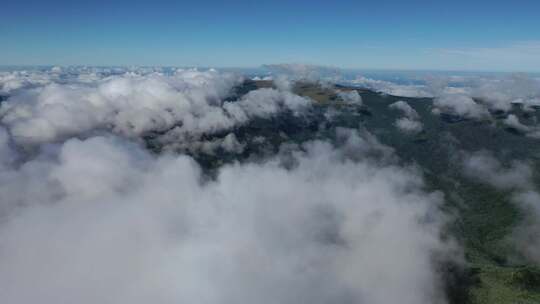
101	220
89	215
187	104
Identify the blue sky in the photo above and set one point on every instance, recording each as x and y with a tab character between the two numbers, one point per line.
415	34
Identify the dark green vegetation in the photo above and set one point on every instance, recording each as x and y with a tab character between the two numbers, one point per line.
483	217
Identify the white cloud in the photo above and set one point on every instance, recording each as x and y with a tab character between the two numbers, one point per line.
457	94
405	108
307	72
518	178
460	104
484	166
350	97
12	81
410	123
501	93
231	144
513	121
391	88
130	104
530	131
283	83
101	220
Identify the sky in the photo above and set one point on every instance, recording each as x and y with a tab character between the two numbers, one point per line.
414	35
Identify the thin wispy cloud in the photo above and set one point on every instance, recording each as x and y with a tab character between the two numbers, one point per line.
518	56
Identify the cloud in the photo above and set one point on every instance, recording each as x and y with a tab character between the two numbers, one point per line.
17	80
391	88
350	97
461	105
262	103
410	123
527	234
405	108
471	96
128	104
485	167
90	215
305	72
517	56
512	121
516	177
501	93
283	83
188	102
7	153
102	220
